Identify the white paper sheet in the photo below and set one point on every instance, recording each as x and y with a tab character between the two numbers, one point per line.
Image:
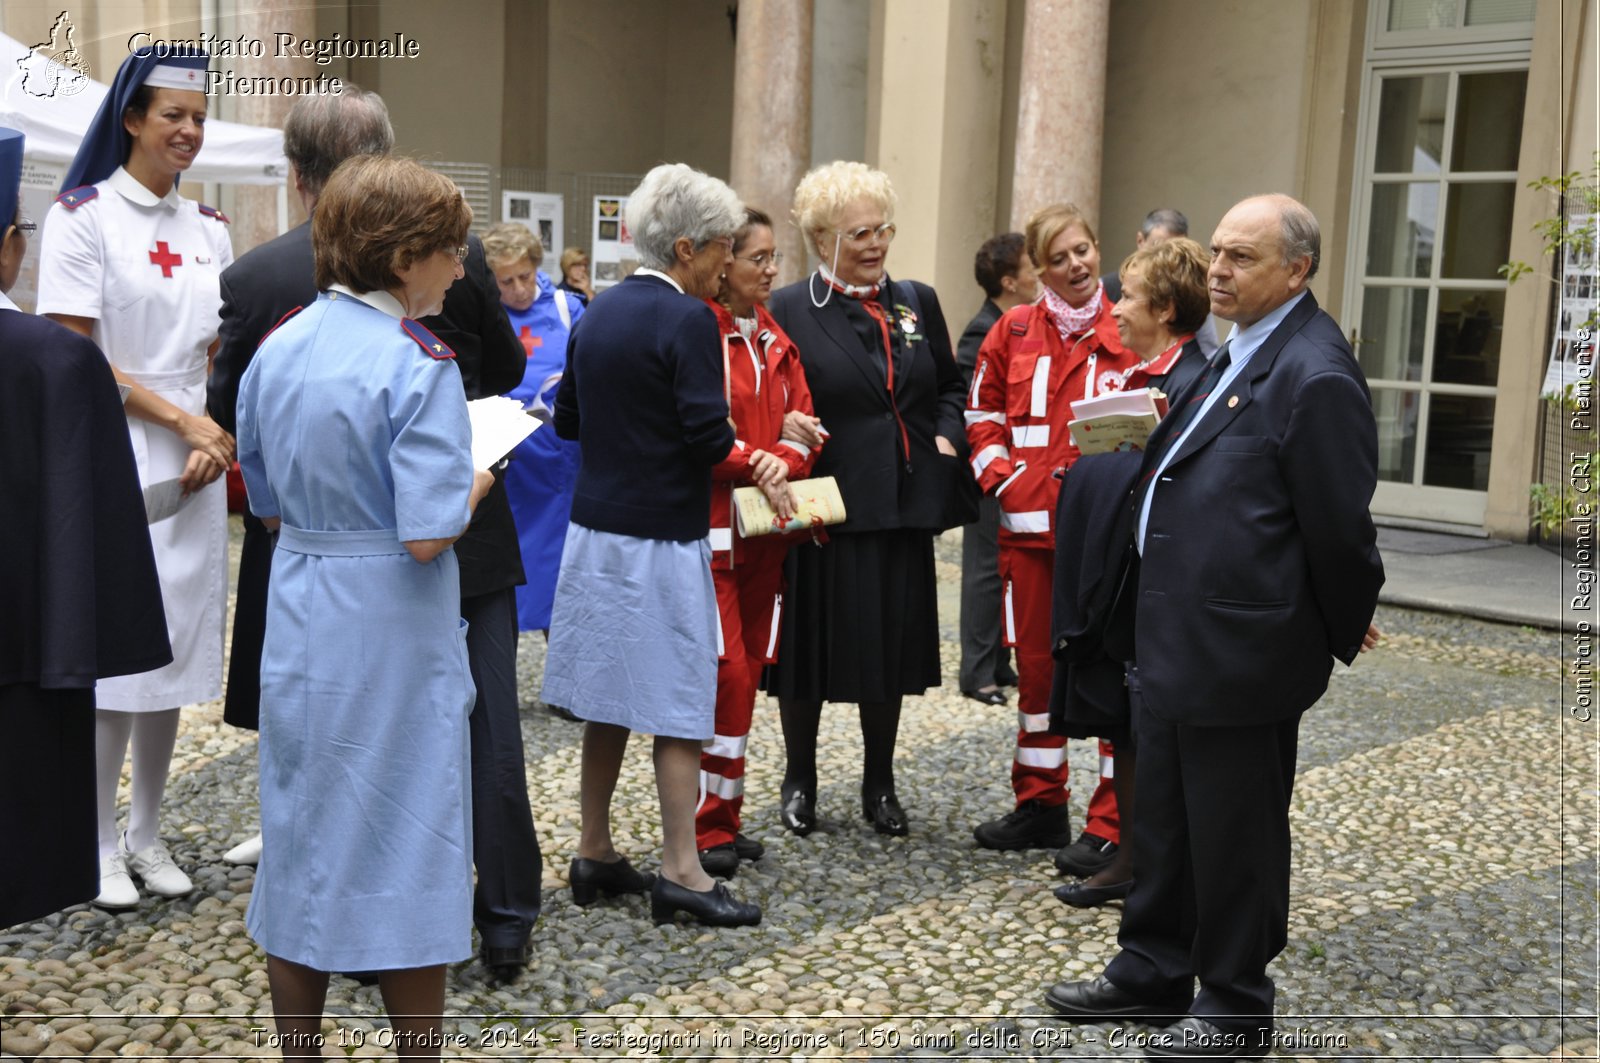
163	500
498	425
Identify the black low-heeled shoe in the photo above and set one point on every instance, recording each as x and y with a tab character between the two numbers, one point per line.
1080	895
799	812
987	697
886	815
715	907
589	878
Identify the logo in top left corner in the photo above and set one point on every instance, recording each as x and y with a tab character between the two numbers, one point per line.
55	67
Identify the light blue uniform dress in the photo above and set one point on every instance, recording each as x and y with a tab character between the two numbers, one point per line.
354	431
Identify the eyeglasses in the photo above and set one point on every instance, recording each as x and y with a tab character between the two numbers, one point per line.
763	260
725	241
860	237
461	253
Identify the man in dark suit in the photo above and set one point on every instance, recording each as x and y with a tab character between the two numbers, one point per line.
1257	567
1005	272
257	291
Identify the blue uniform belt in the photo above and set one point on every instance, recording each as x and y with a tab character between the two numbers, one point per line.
366	543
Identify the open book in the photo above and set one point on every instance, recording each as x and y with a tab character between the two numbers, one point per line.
1120	420
819	503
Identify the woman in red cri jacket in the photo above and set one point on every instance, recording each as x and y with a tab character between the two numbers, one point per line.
778	437
1036	361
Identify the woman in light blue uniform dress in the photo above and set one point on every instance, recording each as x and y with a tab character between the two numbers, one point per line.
355	443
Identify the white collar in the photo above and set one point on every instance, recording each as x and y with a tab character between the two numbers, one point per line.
377	300
128	187
7	304
642	272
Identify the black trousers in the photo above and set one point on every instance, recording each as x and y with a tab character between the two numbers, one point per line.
985	660
47	802
505	847
1211	852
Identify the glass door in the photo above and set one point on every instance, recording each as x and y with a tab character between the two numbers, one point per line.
1427	303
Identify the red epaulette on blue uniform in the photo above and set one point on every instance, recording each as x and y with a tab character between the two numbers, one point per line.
213	212
435	347
279	325
73	198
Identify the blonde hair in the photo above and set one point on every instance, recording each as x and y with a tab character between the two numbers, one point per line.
824	193
1173	274
509	242
1050	222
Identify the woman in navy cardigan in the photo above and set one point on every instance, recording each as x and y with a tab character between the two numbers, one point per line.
633	632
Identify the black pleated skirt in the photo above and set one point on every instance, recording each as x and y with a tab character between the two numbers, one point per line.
48	801
860	619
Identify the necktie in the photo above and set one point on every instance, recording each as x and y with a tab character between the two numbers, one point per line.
1181	416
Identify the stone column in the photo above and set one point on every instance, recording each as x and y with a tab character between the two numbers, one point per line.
772	116
1061	107
255	207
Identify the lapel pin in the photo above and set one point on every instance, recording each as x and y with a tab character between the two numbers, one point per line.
1233	400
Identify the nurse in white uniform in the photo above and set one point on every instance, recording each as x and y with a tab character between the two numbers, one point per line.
134	266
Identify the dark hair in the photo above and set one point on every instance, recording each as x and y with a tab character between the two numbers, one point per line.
1173	274
998	258
752	218
1166	218
323	130
379	213
139	102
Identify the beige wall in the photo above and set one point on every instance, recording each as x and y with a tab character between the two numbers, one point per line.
1583	132
937	136
1198	113
840	29
634	84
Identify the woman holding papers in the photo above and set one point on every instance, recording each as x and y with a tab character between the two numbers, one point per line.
1034	363
777	442
133	265
1164	302
354	443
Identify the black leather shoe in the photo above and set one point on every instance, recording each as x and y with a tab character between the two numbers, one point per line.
1080	895
1099	999
720	861
505	964
714	907
886	815
799	811
1030	825
589	878
748	848
1089	855
1192	1037
987	697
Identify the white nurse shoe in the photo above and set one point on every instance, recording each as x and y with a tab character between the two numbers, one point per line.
246	852
116	888
154	865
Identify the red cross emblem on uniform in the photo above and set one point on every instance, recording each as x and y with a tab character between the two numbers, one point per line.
164	257
530	342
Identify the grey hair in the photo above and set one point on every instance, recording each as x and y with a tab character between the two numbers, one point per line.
1301	235
323	130
675	200
1168	218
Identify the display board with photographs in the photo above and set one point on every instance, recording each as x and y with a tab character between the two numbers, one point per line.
544	213
1572	339
613	257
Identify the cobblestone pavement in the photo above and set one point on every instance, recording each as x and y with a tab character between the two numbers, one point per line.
1443	905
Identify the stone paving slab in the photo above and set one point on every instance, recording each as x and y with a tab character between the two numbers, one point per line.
1443	901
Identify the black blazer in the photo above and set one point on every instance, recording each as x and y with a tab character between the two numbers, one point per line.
881	489
977	329
1260	561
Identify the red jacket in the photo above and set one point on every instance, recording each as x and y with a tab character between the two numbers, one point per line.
1019	406
764	382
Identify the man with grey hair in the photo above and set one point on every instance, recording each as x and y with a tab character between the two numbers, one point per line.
320	132
1256	566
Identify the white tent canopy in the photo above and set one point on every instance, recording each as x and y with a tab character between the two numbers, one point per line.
55	124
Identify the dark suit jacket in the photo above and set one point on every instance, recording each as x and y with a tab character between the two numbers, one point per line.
257	291
881	489
967	346
1260	561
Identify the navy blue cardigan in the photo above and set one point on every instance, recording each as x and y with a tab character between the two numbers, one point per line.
643	396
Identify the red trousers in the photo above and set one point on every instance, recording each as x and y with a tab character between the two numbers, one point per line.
1039	770
749	603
